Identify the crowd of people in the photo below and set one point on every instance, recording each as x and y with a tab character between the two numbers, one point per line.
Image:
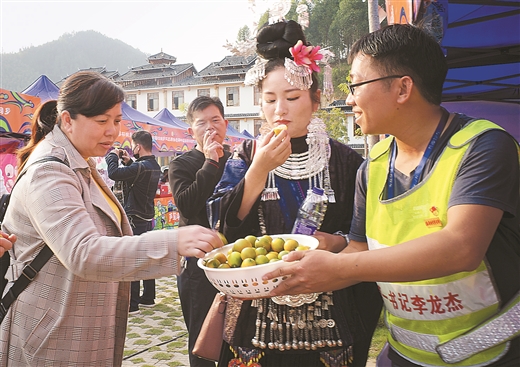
426	228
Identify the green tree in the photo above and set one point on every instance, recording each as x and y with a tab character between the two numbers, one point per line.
291	14
321	15
340	72
349	24
183	107
334	119
263	19
244	33
335	25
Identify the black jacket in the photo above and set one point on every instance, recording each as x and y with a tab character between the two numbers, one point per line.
192	181
139	192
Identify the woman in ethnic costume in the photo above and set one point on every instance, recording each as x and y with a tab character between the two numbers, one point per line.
330	329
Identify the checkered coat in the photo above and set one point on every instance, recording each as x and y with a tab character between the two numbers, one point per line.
75	311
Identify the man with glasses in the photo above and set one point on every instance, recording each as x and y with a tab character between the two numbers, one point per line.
193	177
437	205
140	179
352	87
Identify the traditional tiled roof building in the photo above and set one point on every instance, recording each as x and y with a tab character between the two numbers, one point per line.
162	58
160	71
110	74
164	84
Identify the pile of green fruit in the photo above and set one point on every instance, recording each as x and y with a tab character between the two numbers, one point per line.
252	251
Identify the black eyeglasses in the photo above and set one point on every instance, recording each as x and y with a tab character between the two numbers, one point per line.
352	87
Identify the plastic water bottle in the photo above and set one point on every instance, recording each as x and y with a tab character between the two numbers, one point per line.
311	212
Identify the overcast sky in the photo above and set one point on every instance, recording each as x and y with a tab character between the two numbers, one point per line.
171	25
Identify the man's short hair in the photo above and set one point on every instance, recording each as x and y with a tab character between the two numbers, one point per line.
201	103
404	49
143	138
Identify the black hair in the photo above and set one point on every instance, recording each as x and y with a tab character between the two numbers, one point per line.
406	50
87	93
273	44
274	40
143	138
200	104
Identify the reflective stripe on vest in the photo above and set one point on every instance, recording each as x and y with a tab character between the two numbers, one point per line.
421	315
499	329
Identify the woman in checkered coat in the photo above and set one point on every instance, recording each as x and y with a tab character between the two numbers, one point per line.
75	311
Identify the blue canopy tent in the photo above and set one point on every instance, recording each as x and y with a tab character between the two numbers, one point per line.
246	133
481	40
232	132
165	115
166	138
43	88
482	43
504	114
133	115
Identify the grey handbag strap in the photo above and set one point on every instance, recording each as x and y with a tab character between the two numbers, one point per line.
30	270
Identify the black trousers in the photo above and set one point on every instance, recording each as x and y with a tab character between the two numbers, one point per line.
140	226
196	294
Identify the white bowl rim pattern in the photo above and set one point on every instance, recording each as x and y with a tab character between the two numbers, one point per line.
247	283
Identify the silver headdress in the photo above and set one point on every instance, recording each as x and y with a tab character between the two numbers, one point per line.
305	58
278	10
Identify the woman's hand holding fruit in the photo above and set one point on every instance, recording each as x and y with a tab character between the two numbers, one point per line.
196	241
272	151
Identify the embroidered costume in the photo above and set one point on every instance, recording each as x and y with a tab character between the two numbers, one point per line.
329	330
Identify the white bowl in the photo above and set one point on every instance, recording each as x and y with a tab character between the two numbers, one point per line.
247	282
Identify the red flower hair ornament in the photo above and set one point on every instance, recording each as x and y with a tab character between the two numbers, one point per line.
298	72
306	55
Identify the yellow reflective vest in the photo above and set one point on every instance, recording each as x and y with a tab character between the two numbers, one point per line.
421	315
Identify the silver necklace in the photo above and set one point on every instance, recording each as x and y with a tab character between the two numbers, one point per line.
312	164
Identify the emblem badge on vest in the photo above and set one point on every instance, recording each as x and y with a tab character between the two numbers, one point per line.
433	222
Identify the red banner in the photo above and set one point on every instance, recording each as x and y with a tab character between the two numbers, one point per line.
164	138
166	214
16	112
400	11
